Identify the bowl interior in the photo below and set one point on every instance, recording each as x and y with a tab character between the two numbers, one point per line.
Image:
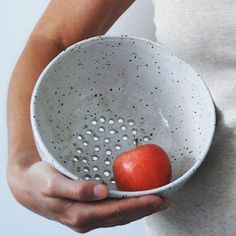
98	96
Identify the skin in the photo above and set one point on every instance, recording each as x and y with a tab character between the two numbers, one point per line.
82	206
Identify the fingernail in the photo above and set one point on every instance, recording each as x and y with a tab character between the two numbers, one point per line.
165	204
99	191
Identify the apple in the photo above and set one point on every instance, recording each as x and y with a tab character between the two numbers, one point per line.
142	168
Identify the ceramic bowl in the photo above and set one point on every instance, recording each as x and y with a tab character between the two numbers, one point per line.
100	94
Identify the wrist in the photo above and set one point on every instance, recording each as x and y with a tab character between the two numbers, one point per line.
18	182
67	22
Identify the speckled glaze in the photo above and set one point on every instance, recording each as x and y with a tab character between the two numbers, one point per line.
100	94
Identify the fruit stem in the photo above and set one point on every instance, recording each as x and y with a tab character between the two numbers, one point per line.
136	142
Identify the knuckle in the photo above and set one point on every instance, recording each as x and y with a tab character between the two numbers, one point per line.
74	221
49	188
83	191
82	230
117	211
77	221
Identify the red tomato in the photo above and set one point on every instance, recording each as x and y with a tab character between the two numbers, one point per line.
145	167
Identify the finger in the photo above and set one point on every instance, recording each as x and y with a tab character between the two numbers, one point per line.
116	212
128	210
59	186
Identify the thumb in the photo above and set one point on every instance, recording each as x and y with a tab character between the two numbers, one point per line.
60	186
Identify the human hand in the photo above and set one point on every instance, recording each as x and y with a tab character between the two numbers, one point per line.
36	184
81	205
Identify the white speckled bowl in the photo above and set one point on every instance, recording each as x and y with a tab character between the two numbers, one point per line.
94	98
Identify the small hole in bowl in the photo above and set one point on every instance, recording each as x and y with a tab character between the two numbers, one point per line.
84	159
79	137
95	168
79	150
101	129
102	119
145	139
89	132
131	122
111	121
117	147
123	127
85	143
97	177
87	177
106	173
94	122
95	158
112	131
95	138
120	120
86	169
107	162
134	132
108	152
75	159
106	140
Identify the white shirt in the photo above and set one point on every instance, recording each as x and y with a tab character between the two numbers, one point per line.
203	33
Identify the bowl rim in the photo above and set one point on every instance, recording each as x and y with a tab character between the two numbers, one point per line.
117	193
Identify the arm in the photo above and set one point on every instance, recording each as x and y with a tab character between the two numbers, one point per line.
52	195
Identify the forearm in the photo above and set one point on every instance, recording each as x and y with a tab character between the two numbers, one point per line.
69	21
63	23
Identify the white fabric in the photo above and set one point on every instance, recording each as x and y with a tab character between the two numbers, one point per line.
203	33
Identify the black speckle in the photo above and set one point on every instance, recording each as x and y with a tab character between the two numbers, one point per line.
59	112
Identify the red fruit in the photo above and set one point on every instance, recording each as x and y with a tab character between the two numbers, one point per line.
145	167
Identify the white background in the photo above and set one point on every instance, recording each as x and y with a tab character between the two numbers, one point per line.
17	18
